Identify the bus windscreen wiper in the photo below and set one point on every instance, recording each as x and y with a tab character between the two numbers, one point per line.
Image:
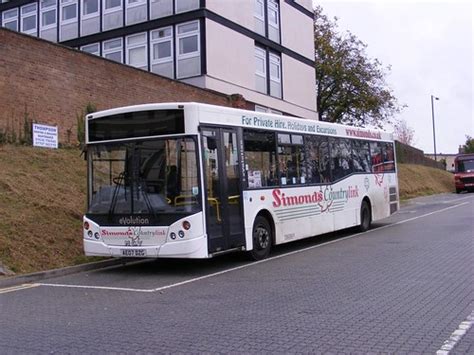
118	181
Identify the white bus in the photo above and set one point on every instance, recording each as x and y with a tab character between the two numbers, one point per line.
189	180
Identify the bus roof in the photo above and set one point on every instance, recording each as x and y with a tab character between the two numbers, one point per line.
467	156
254	119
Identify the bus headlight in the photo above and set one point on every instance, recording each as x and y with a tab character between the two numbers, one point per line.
173	235
89	234
181	234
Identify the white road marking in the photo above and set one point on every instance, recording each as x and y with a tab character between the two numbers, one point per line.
457	335
162	288
96	287
17	288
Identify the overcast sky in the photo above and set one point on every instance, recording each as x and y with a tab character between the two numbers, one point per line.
429	45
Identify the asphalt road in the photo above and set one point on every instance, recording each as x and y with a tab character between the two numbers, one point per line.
407	286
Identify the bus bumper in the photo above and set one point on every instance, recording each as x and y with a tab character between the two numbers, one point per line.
195	248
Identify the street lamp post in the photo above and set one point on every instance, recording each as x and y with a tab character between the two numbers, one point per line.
433	119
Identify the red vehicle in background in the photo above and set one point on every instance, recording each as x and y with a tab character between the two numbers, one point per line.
464	172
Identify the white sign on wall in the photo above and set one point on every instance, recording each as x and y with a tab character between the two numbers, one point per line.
45	136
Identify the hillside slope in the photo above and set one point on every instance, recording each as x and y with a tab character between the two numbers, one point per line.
42	199
417	180
43	196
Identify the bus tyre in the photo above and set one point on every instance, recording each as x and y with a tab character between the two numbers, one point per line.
262	239
365	217
458	191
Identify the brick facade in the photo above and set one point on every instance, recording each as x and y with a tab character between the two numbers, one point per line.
53	84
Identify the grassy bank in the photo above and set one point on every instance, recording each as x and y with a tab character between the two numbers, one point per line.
42	197
43	194
417	180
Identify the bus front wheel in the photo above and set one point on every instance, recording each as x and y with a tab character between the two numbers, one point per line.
262	238
365	217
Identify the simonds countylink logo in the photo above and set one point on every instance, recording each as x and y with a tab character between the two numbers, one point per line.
128	221
282	199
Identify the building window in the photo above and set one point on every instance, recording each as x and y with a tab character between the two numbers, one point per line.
90	8
261	70
10	19
259	108
48	14
136	11
273	20
112	5
186	5
268	84
188	49
160	8
68	11
112	16
29	18
162	52
267	19
90	21
137	51
275	75
91	48
113	50
259	17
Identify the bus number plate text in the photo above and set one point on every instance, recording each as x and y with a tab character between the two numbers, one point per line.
133	252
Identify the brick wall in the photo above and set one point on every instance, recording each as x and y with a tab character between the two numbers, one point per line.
410	155
54	84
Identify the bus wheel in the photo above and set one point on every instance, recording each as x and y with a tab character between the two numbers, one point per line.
458	191
262	239
365	217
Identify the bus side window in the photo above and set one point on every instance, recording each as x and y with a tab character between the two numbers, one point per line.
361	156
291	159
260	158
341	158
388	157
376	156
317	148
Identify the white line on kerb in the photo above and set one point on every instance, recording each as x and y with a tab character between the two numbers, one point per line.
457	335
162	288
17	288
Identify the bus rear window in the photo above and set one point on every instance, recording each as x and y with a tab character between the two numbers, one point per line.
136	124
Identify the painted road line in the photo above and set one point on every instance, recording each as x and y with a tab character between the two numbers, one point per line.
457	335
167	287
17	288
97	287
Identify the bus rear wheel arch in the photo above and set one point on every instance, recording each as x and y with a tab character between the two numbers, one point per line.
262	237
365	215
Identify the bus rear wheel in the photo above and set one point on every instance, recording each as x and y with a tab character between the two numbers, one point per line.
262	239
365	217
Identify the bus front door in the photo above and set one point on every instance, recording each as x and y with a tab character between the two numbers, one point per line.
223	190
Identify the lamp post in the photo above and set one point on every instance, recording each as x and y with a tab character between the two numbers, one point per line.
432	117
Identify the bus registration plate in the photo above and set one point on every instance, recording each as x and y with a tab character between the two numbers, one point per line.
134	252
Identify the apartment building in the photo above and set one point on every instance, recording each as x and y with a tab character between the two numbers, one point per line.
261	49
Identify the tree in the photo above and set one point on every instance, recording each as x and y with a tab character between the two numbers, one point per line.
351	88
403	133
468	147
